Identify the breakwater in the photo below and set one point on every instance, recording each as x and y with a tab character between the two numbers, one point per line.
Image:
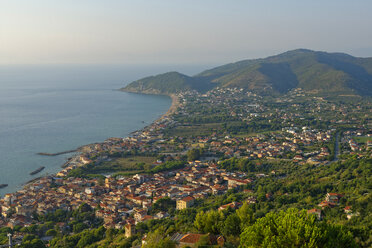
57	153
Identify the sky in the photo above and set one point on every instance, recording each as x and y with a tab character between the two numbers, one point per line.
178	31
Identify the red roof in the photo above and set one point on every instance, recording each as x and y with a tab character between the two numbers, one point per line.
147	217
188	198
336	194
191	238
314	210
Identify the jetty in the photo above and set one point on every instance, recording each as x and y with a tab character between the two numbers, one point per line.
37	171
3	185
57	153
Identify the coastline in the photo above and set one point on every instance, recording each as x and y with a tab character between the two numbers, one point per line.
172	109
174	106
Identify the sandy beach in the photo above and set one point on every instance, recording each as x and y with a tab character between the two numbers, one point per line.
174	106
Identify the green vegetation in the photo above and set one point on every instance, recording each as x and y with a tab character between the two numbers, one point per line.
362	140
310	70
127	164
168	83
125	167
294	229
32	241
80	240
158	239
194	154
164	204
3	234
315	72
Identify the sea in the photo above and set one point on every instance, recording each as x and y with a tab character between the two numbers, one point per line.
55	108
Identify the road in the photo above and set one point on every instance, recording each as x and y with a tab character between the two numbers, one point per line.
337	147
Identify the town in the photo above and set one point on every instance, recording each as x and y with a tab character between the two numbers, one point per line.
187	157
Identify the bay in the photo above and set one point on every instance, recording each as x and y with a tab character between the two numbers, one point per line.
55	108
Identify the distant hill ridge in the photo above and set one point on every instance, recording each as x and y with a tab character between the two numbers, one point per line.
313	71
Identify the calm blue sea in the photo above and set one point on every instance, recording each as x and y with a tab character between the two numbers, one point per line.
58	108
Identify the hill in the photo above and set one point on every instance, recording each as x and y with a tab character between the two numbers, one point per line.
168	83
313	71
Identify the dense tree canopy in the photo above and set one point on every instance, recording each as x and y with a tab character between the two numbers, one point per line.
294	228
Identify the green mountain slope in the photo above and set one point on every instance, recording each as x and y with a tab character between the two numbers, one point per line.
316	72
168	83
306	69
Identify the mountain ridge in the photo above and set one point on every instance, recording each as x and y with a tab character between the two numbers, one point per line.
312	71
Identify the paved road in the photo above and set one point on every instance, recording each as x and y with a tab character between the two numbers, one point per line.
337	148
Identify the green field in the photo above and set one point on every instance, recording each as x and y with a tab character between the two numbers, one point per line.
254	134
194	130
127	164
362	139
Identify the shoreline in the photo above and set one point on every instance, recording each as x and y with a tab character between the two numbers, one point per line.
172	109
174	106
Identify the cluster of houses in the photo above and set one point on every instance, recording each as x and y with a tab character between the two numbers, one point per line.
119	201
332	200
269	146
349	138
244	106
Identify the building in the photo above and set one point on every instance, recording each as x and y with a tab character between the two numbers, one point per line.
130	230
333	197
186	202
316	212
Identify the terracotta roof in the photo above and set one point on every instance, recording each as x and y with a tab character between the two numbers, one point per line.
191	238
188	198
336	194
314	210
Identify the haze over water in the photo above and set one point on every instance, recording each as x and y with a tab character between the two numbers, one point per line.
59	108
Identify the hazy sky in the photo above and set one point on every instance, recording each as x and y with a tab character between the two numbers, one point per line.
178	31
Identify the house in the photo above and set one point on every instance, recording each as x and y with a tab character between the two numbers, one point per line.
325	204
232	205
316	212
185	202
347	209
333	197
161	215
349	212
139	214
235	183
298	158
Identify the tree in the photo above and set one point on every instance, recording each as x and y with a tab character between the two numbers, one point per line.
163	204
193	154
209	222
79	227
51	232
32	241
294	228
157	239
231	226
245	215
